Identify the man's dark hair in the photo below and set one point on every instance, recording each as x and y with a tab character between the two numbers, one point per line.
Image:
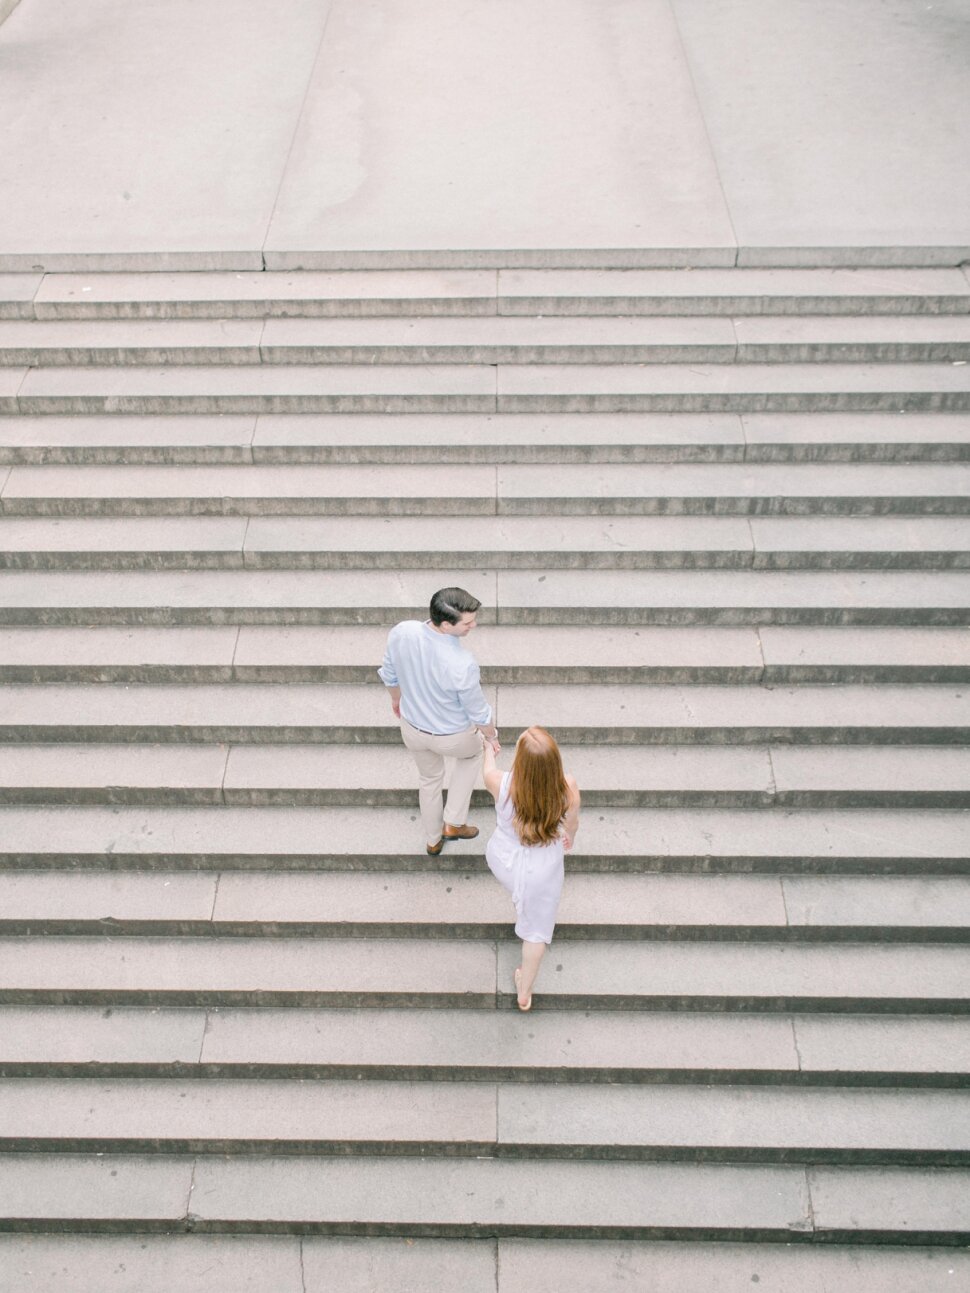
449	604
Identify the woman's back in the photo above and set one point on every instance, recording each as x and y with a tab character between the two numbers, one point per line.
532	873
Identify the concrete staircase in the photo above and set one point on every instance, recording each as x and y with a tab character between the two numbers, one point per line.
720	524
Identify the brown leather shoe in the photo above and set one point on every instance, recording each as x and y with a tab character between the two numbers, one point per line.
435	849
459	832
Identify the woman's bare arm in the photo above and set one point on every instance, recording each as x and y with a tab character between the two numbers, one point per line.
570	823
491	773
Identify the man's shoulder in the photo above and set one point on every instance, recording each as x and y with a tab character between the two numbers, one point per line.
406	629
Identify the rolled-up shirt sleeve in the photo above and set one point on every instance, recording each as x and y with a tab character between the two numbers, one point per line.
471	697
387	672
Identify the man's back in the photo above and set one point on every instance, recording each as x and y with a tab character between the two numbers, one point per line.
438	677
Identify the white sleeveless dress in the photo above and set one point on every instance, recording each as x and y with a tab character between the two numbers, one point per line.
533	874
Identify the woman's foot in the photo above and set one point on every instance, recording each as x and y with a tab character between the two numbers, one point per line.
527	1003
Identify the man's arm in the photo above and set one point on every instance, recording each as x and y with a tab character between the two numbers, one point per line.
473	702
388	676
479	713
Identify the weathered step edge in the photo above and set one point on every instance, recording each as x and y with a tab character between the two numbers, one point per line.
246	1071
805	1156
353	999
485	1230
111	927
697	402
321	796
849	256
572	675
335	734
630	616
584	864
644	559
457	454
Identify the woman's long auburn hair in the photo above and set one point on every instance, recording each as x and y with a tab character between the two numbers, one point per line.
538	790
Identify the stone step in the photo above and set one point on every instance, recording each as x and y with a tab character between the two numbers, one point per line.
479	1120
582	974
469	904
709	654
606	715
487	388
352	294
619	1047
645	776
498	543
633	599
313	1263
449	340
665	489
487	1197
448	438
636	841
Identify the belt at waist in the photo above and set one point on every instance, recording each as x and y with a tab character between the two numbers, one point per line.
425	732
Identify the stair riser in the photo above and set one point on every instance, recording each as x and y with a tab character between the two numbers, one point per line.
335	734
490	455
810	1156
809	352
755	402
484	560
656	505
792	935
587	864
213	998
591	306
661	616
675	675
385	798
411	1231
560	1076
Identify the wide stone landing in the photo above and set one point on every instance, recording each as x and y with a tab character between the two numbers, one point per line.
288	134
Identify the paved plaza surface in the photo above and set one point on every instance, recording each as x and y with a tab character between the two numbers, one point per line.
334	133
648	322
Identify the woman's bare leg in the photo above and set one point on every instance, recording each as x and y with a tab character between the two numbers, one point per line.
532	954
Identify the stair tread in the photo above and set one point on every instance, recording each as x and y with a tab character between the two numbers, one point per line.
629	1043
595	708
272	833
486	1194
474	380
499	535
516	380
471	897
511	482
310	1263
592	970
390	595
447	432
439	285
496	646
375	774
668	1117
506	339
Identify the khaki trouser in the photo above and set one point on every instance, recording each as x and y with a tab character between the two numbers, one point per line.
429	754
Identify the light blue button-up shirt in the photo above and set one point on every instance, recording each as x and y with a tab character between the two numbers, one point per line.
439	679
